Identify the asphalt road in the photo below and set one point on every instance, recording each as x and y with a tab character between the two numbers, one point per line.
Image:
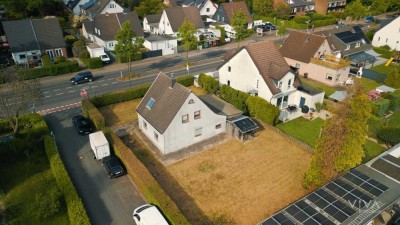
107	201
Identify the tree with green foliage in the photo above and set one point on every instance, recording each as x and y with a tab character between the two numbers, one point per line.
127	42
223	34
187	33
393	5
355	9
340	146
32	8
262	7
239	25
282	11
281	31
393	78
378	7
149	7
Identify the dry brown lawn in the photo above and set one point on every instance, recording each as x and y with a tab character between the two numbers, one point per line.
237	183
120	113
197	90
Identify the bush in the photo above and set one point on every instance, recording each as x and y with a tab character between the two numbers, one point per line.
235	97
370	34
120	96
208	83
394	98
76	210
317	16
70	39
46	61
262	110
301	19
319	106
339	15
59	59
94	114
5	126
380	107
145	181
320	23
186	80
390	135
374	125
54	70
92	63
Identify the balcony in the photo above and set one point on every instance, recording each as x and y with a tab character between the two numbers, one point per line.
331	61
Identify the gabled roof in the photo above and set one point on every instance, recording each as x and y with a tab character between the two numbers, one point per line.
301	46
110	24
166	102
34	34
154	18
231	7
177	15
198	3
94	7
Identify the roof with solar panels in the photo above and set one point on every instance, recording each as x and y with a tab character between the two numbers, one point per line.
355	198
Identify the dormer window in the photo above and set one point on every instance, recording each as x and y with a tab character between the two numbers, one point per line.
208	10
347	47
150	103
112	6
358	44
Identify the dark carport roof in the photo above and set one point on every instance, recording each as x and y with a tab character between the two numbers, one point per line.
244	124
362	57
220	106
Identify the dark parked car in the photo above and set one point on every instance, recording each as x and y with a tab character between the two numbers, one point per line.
81	77
82	124
113	166
269	26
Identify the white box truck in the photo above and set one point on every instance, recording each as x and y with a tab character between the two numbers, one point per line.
99	145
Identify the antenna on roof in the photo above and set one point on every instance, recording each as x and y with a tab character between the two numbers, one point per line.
308	39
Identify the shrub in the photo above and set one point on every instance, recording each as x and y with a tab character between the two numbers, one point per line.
92	63
208	83
79	47
394	98
373	95
317	16
339	15
390	135
370	34
186	80
46	61
94	114
320	23
46	203
374	125
380	107
59	59
70	39
262	110
5	126
145	181
76	210
301	19
235	97
319	106
54	70
120	96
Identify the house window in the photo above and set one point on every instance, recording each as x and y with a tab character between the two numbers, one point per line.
218	126
59	51
95	30
155	136
337	77
112	6
208	10
50	53
150	103
145	125
379	38
229	69
198	132
185	118
329	76
289	83
257	83
347	47
22	56
229	83
191	101
197	115
111	44
298	65
358	45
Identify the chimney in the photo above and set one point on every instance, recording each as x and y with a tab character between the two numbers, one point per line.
173	81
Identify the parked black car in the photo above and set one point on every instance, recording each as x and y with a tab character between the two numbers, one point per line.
81	77
113	166
82	124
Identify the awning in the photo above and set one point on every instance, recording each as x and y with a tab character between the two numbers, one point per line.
338	95
362	57
245	124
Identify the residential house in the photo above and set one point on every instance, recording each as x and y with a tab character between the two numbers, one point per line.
75	5
173	117
164	43
225	12
261	70
388	35
151	23
29	39
351	43
103	28
327	6
365	195
98	7
207	8
298	7
172	19
311	55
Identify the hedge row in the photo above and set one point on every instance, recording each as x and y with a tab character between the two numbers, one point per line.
235	97
208	83
56	69
390	135
262	110
394	98
145	181
94	114
76	210
380	107
92	63
132	93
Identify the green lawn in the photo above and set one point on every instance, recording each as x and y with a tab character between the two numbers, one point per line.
371	150
382	68
303	129
393	120
315	84
368	85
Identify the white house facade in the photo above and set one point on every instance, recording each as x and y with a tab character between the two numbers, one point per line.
388	35
206	7
167	44
164	27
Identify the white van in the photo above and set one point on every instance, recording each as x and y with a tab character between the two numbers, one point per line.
148	215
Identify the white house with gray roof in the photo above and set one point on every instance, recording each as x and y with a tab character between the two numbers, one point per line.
173	117
97	7
172	19
206	7
167	44
151	22
29	39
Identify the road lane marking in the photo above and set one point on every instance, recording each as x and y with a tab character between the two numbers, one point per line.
110	79
60	94
45	92
48	96
100	81
114	82
69	87
71	91
104	84
57	90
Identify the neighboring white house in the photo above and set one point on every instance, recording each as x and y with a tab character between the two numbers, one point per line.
261	70
172	19
206	7
103	28
75	5
95	50
388	35
166	43
151	22
172	117
97	7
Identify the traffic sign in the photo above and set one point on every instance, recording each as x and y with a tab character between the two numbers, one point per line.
83	93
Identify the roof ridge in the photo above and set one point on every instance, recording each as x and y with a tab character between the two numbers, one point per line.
34	33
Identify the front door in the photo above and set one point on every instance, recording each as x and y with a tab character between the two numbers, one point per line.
302	102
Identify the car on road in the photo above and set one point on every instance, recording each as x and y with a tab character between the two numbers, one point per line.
113	166
105	58
81	77
148	215
82	124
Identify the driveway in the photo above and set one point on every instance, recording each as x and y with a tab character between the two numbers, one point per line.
106	201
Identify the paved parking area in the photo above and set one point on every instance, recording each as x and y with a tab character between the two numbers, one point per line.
107	201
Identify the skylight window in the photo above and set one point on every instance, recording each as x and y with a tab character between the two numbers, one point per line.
150	103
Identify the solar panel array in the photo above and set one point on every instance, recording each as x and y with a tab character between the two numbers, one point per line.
334	203
347	36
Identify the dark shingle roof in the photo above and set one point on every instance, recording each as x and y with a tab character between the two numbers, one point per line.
167	102
109	24
97	7
34	34
154	18
296	3
89	26
301	46
198	3
231	7
177	15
